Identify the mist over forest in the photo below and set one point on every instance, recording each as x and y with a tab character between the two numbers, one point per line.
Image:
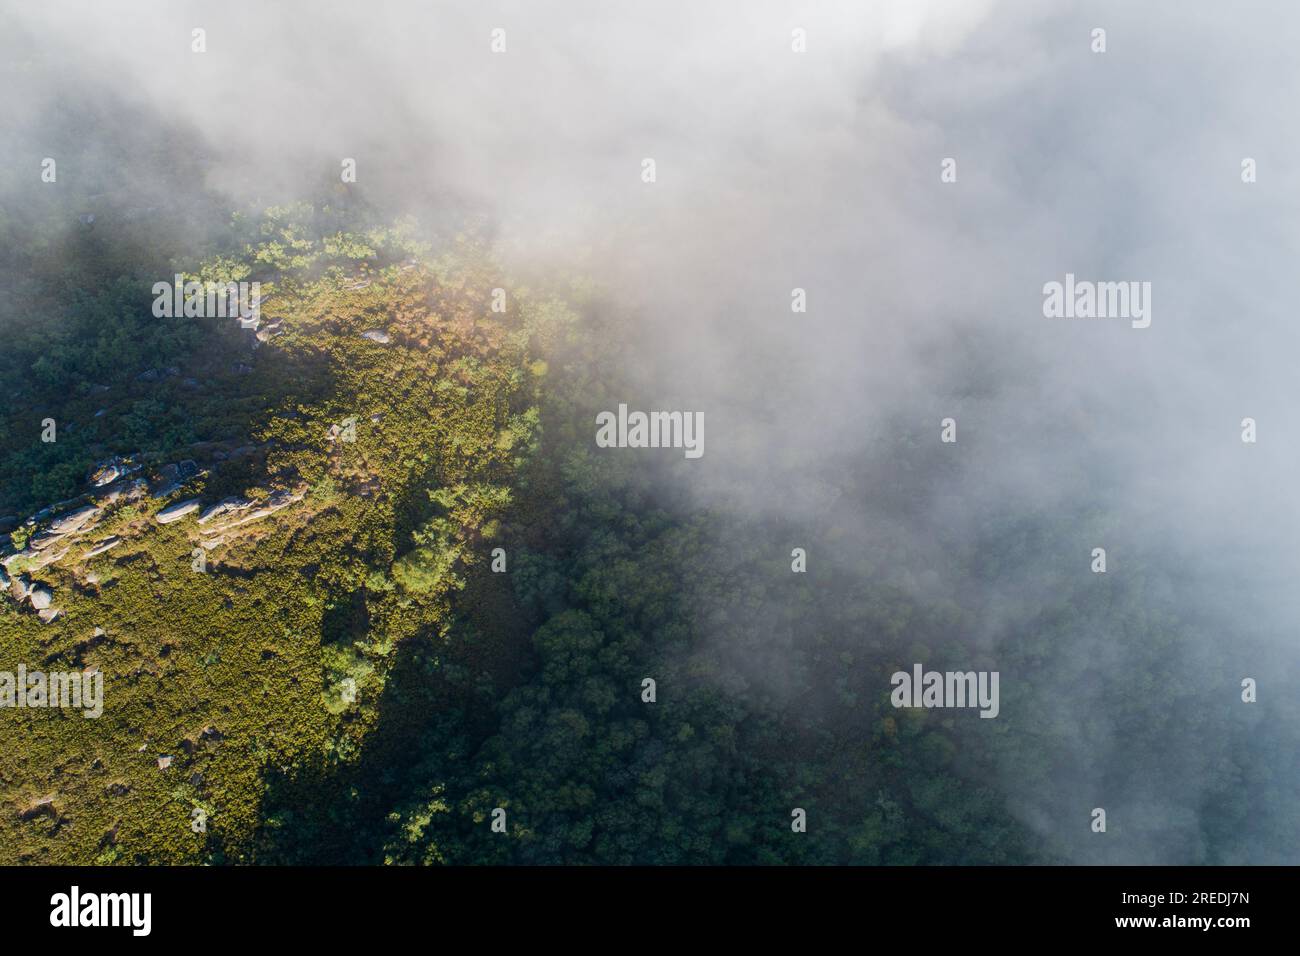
357	676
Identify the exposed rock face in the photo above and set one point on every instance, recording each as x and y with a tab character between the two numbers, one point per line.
75	522
110	470
237	512
48	615
20	587
178	511
171	477
126	490
35	560
105	545
41	596
223	507
376	335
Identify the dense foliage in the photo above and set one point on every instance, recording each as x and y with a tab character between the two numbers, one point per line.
353	682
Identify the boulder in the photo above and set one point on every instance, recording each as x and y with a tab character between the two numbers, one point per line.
41	596
74	521
20	587
171	477
49	614
105	545
256	511
375	335
110	470
35	560
223	507
178	511
131	490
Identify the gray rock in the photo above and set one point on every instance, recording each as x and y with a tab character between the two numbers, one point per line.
74	521
131	490
49	614
178	511
41	596
105	545
20	587
224	507
375	335
110	470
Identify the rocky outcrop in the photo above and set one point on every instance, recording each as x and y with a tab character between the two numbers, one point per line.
106	545
41	596
20	587
178	511
122	491
110	470
172	477
232	514
224	507
376	335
